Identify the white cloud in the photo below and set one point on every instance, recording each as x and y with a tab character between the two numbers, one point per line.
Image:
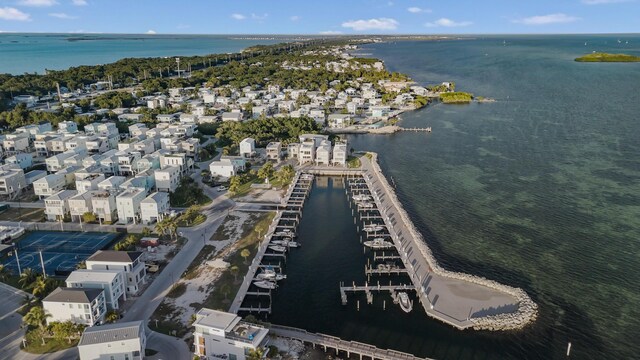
330	32
79	2
417	10
259	17
9	13
151	32
600	2
238	16
558	18
62	16
444	22
295	18
371	24
37	3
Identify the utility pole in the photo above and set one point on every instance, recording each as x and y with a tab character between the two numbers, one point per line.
44	272
15	251
178	61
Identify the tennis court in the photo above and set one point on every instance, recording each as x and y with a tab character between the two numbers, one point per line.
61	251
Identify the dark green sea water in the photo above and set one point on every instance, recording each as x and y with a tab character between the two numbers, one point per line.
539	190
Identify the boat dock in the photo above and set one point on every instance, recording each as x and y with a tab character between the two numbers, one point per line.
284	226
369	289
460	300
332	343
427	129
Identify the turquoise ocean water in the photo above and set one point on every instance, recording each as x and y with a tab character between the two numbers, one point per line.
21	53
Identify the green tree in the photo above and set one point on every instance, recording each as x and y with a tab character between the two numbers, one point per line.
225	289
266	171
27	277
245	253
235	271
64	330
89	217
111	316
4	273
36	317
255	354
234	183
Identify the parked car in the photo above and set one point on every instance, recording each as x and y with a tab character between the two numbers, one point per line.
222	188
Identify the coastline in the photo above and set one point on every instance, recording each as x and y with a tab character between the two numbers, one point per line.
527	309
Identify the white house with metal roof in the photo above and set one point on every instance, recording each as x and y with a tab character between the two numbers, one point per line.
80	306
122	341
111	281
130	262
221	335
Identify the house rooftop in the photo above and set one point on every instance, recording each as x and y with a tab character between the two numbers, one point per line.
111	333
84	275
115	256
216	319
68	295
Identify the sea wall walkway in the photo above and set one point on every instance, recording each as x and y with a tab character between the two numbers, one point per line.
461	300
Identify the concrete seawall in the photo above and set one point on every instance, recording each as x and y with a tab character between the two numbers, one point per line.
525	310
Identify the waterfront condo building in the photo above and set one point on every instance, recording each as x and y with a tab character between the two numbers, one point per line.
123	341
221	335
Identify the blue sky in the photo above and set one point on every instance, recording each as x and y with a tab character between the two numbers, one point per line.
320	16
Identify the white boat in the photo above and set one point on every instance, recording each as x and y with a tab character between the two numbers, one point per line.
284	234
286	243
278	248
361	197
373	228
365	205
378	243
405	303
264	284
270	275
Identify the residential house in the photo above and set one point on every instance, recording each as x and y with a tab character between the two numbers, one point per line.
16	143
49	185
111	281
221	335
138	129
154	207
112	184
12	181
130	262
307	152
24	161
176	159
80	306
103	204
56	206
88	182
128	205
79	205
323	153
69	127
227	166
232	116
167	179
338	121
340	153
247	147
121	341
274	151
293	150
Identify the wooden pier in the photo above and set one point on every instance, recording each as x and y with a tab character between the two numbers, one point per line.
332	343
369	289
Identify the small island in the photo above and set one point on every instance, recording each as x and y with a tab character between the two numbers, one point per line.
604	57
456	97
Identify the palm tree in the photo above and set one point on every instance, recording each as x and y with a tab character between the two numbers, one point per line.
39	287
36	317
234	271
4	273
112	316
161	227
245	253
27	277
225	291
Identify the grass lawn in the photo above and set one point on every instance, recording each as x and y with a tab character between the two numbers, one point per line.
34	344
26	214
228	284
353	162
246	187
